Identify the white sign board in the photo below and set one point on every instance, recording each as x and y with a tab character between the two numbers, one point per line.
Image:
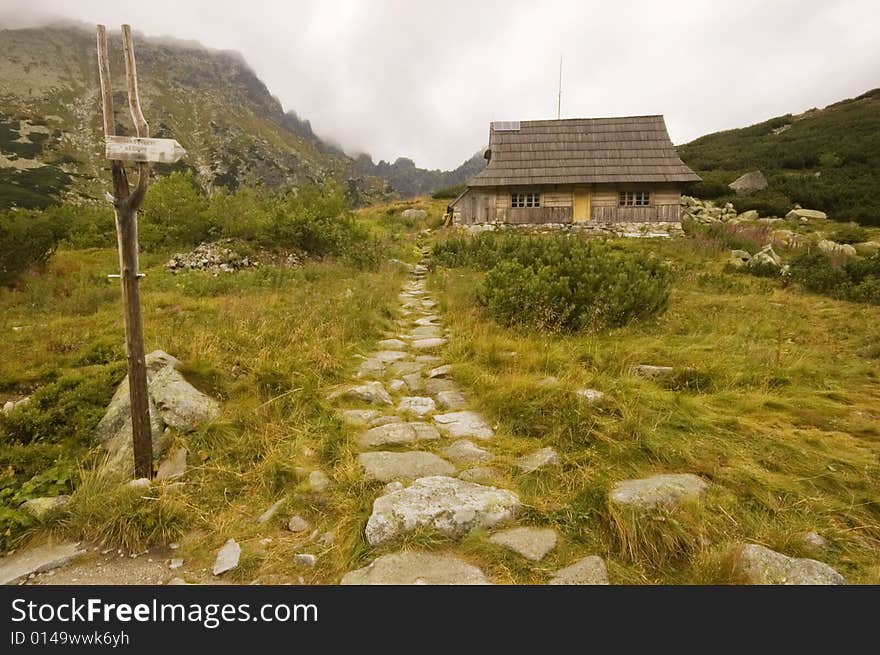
133	148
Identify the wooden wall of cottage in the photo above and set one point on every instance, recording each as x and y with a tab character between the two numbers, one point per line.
492	205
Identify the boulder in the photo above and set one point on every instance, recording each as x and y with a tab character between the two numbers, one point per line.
398	433
388	466
867	248
42	507
806	214
739	258
227	557
749	183
541	458
749	215
833	248
531	543
588	571
450	506
760	565
411	568
369	392
181	405
766	256
467	452
464	424
666	490
416	214
173	467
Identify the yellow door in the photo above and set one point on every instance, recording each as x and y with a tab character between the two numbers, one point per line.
581	205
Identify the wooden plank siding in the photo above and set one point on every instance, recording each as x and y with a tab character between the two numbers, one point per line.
667	213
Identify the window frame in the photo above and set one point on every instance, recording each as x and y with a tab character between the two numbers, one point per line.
525	199
634	198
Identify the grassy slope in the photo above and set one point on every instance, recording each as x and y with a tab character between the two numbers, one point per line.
828	159
785	428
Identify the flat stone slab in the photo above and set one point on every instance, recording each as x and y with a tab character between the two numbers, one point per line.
227	557
541	458
481	474
467	452
464	424
668	490
531	543
398	433
411	568
450	506
417	405
371	368
440	371
391	344
19	566
426	332
434	386
388	466
587	571
369	392
760	565
384	420
428	344
651	372
358	416
386	356
402	368
451	399
427	321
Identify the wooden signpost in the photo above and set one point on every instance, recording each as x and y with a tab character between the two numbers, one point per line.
126	201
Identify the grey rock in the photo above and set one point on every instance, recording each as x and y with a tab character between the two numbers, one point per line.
428	344
467	452
587	571
406	367
766	256
464	424
434	386
412	568
549	381
396	385
305	559
808	214
450	506
414	382
140	483
440	371
531	543
480	474
359	416
371	368
387	466
177	582
318	481
227	557
815	540
427	321
590	395
385	420
834	248
369	392
651	372
173	467
667	490
749	183
414	214
417	405
181	405
298	524
451	399
428	359
266	516
541	458
426	332
759	565
749	215
391	344
387	356
741	255
40	508
398	433
175	563
38	559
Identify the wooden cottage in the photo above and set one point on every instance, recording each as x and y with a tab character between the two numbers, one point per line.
598	170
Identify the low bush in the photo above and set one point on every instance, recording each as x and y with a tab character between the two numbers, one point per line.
857	280
765	202
448	193
850	233
729	236
27	241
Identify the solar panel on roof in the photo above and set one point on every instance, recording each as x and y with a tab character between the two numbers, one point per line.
505	126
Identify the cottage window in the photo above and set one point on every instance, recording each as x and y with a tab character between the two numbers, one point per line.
525	199
635	198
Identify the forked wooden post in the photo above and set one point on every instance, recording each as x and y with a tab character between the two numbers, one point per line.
126	203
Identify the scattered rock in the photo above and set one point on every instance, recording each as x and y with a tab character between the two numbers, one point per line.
667	490
549	381
590	395
406	368
538	459
651	372
40	508
588	571
177	582
369	392
414	382
266	516
417	405
467	452
834	248
398	433
808	214
749	183
176	563
140	483
451	399
305	559
480	474
416	214
359	416
388	466
173	467
749	215
766	256
440	371
388	356
318	481
396	385
227	557
531	543
428	344
815	540
759	565
867	248
464	424
450	506
8	406
215	257
411	568
391	344
38	559
298	524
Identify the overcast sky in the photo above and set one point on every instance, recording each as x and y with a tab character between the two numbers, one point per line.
423	79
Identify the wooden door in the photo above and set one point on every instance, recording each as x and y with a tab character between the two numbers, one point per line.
581	202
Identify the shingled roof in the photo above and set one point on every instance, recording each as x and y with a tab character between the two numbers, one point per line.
582	151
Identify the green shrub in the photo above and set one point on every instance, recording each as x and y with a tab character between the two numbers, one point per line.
449	192
561	283
27	241
857	280
708	190
850	233
765	202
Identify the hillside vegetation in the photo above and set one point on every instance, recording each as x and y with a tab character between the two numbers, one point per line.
827	159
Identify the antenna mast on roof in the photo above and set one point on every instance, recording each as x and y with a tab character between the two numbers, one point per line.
559	96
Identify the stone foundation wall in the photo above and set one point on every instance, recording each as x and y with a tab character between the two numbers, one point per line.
657	229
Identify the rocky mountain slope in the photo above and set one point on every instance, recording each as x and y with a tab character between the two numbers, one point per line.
827	159
410	180
236	133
